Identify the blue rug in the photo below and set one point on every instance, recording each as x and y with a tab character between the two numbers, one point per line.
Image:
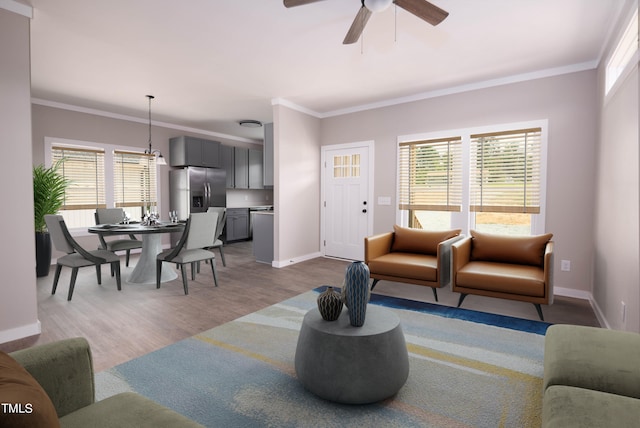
467	369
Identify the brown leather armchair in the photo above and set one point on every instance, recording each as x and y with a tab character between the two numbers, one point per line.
508	267
413	256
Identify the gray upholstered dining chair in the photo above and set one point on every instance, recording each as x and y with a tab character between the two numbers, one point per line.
115	216
76	256
192	248
222	219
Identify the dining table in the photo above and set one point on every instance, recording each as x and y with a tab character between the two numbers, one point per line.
144	271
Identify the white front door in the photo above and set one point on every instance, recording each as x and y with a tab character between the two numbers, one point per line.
346	205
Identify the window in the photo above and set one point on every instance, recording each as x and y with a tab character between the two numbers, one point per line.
623	54
84	168
134	180
430	181
345	166
490	179
103	176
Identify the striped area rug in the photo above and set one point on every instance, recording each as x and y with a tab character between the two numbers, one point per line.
467	369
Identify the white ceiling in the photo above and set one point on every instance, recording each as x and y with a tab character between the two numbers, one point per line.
210	63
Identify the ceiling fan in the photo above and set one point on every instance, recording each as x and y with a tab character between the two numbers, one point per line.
420	8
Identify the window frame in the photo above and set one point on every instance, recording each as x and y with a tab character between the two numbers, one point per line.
465	219
109	169
621	71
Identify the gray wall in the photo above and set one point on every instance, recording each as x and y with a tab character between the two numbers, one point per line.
569	102
296	186
617	227
18	304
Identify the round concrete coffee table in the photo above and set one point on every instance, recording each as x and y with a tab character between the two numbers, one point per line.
353	365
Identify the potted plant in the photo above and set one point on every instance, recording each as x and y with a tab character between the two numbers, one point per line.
48	197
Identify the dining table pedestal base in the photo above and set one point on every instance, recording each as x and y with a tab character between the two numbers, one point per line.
145	270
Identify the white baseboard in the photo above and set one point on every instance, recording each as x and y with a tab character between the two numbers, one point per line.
585	295
20	332
285	263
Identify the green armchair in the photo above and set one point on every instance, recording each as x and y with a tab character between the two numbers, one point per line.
64	369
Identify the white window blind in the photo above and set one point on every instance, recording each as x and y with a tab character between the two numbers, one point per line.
430	175
85	170
505	171
134	177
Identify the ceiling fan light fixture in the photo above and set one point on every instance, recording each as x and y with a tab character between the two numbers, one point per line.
249	123
377	5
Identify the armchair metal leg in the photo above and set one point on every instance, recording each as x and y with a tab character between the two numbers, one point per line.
462	296
99	273
56	278
375	281
72	284
435	293
126	258
193	270
184	279
539	309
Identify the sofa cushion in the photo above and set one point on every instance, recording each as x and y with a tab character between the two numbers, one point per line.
406	265
127	409
419	241
592	358
24	402
517	279
526	250
569	407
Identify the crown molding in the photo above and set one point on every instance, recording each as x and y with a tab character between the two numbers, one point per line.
293	106
541	74
16	7
110	115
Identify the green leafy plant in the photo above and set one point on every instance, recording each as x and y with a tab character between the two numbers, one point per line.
48	193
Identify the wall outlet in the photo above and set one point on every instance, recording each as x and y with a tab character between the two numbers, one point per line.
623	312
565	265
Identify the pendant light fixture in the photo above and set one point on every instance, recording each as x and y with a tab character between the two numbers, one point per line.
159	159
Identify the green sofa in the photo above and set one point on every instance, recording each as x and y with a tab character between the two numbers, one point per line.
591	378
64	369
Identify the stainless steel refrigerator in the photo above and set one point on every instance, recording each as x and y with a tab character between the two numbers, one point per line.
195	189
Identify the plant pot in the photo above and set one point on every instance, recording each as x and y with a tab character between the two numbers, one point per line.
43	254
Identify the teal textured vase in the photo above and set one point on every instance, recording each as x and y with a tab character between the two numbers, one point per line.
356	292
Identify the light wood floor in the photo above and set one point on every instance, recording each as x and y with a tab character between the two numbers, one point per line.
122	325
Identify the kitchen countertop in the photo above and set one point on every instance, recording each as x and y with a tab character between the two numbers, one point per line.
254	207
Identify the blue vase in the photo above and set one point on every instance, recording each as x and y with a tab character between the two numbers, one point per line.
356	291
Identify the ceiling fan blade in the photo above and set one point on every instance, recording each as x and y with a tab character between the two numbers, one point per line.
357	27
294	3
423	9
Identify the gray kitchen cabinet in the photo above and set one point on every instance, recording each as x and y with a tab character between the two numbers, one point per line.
237	226
226	162
267	171
244	167
241	168
193	151
256	161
